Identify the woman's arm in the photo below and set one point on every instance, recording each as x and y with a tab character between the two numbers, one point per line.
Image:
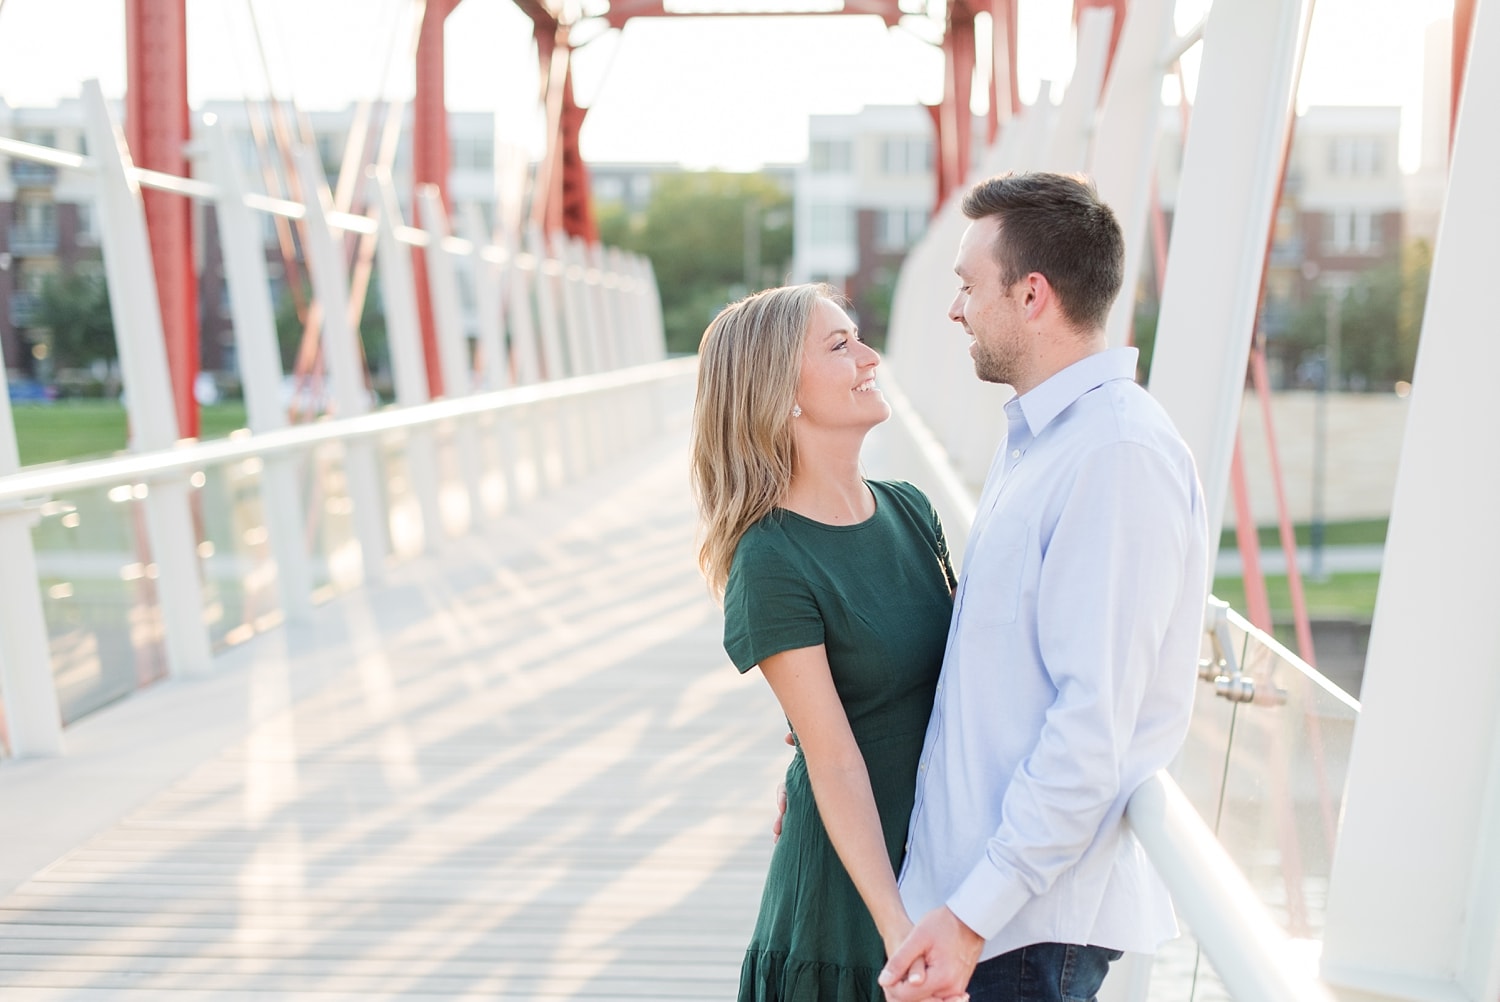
841	785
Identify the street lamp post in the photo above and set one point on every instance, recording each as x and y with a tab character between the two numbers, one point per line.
1328	378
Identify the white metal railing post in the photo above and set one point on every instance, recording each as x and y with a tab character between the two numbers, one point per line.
447	307
635	300
148	389
489	303
261	374
404	335
453	341
655	323
1231	166
31	710
572	309
545	289
524	276
594	275
1414	897
325	265
1123	157
488	264
619	283
576	268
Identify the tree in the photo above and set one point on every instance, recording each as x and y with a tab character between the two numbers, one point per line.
74	309
1379	318
694	232
372	330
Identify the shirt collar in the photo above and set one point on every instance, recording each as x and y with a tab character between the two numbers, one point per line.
1044	402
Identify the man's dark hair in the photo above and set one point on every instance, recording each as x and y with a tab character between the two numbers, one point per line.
1055	224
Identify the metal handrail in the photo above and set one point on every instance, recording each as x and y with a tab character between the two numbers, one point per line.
1251	955
34	482
204	191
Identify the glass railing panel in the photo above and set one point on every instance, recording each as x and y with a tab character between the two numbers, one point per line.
457	453
403	506
334	555
1267	776
239	573
1201	765
99	597
1285	786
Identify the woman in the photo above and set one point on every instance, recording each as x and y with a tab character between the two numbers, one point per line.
840	589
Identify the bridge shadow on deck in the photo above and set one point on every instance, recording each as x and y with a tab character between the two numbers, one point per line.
530	773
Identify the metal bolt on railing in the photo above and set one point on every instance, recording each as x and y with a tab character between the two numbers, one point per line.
1223	667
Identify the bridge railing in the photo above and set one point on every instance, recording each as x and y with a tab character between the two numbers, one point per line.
120	571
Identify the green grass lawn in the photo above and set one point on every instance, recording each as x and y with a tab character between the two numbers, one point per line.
1340	596
1367	531
87	429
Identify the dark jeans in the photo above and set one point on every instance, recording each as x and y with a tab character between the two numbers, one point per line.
1043	972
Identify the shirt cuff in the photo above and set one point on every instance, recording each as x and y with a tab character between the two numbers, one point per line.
988	898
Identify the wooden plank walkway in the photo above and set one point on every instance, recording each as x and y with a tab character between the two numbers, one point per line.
521	770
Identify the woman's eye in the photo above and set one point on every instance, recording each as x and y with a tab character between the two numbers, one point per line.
841	346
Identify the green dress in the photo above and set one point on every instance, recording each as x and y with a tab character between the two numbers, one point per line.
879	596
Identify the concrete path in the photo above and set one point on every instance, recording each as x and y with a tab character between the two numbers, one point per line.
1335	560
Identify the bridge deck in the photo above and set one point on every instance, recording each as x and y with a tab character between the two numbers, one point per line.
522	769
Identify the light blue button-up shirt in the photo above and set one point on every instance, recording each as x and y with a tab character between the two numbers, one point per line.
1069	672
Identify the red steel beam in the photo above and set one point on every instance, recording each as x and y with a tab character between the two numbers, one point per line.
563	201
156	129
1463	28
953	118
1005	99
430	162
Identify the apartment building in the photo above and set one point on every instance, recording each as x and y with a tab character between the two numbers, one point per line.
47	215
861	199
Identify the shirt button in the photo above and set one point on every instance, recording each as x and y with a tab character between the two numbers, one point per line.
1015	454
922	767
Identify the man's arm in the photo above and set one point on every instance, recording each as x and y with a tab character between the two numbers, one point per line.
1111	577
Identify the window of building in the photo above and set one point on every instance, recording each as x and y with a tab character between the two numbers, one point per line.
86	231
905	155
831	156
898	229
1356	156
473	153
1353	231
831	225
36	220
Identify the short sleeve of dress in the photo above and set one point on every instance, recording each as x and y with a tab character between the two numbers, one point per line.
768	606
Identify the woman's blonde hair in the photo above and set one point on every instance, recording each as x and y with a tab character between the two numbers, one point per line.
749	363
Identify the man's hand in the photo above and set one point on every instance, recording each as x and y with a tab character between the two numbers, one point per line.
948	948
791	739
780	813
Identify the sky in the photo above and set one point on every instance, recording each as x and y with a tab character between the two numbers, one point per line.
721	92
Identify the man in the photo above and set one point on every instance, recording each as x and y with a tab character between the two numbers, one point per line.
1068	676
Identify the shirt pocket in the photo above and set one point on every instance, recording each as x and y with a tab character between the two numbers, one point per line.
992	594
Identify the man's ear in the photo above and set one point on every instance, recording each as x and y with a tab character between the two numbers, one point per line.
1038	296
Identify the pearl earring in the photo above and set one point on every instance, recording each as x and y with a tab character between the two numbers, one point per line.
796	411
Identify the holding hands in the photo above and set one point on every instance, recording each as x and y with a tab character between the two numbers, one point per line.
935	961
